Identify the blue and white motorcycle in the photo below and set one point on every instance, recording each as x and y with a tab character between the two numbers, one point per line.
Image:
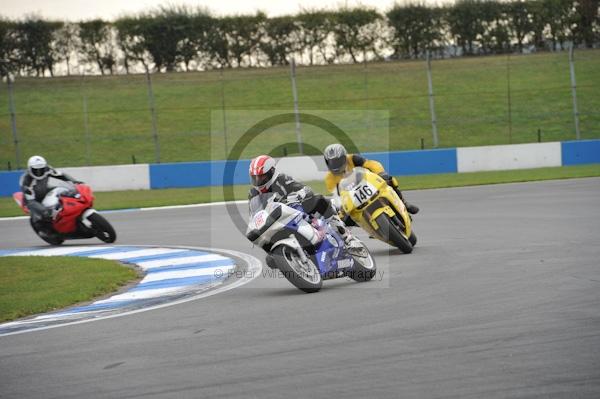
305	249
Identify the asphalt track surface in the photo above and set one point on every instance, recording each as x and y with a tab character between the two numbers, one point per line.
501	298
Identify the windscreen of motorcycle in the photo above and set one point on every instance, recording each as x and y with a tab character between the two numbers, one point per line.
260	208
261	202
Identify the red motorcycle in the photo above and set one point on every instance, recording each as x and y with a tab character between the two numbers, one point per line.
72	216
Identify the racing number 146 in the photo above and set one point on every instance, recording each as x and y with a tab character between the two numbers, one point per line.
363	193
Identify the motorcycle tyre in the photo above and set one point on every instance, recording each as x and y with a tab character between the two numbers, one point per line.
412	238
386	225
291	275
360	273
102	228
52	240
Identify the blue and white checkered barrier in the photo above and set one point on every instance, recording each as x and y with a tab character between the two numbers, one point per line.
399	163
170	275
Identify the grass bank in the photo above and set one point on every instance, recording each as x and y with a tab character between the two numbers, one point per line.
185	196
478	100
37	284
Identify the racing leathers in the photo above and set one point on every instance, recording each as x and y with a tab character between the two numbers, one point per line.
314	204
34	192
354	160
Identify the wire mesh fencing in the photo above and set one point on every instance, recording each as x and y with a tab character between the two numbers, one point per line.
468	101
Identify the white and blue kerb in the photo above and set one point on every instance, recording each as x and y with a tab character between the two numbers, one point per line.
170	274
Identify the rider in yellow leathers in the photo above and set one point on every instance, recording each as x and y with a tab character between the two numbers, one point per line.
339	162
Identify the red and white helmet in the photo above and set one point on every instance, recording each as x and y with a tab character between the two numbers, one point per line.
262	172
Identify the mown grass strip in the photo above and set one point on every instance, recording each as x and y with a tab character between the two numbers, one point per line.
185	196
37	284
497	177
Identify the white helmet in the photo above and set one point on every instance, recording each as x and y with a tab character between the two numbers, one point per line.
37	167
262	172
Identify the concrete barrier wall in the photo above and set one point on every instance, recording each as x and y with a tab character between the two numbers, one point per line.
404	163
100	178
9	183
199	174
507	157
112	178
580	152
217	173
303	168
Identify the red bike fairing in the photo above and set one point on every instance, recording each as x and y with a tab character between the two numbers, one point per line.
66	220
18	197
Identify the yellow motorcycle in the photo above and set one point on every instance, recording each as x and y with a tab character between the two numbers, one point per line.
375	206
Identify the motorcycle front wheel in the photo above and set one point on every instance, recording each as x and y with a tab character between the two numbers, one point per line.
102	228
391	231
303	275
364	265
412	238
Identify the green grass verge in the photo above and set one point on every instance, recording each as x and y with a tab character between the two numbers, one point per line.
37	284
184	196
471	101
497	177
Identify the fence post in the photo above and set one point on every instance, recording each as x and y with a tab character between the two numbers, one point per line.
574	92
13	119
366	83
296	112
223	112
88	148
509	98
431	102
153	113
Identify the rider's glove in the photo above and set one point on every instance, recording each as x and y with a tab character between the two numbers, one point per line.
391	180
293	198
298	196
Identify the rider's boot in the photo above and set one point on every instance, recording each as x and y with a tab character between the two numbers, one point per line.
43	229
393	183
39	220
349	239
40	228
411	208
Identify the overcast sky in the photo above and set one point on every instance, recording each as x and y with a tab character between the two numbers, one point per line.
74	10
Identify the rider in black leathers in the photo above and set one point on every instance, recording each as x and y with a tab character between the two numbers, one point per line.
34	185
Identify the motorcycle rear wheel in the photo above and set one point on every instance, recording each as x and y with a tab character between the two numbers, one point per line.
53	239
102	228
306	277
391	230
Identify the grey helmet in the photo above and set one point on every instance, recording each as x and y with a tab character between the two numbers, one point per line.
336	158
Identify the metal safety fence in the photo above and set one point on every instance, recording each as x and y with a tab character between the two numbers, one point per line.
192	116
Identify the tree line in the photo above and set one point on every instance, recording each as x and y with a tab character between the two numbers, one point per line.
180	38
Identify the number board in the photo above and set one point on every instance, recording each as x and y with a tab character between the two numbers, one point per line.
363	193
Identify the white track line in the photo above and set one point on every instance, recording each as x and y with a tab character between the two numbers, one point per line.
57	251
179	261
135	254
155	208
209	271
142	294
